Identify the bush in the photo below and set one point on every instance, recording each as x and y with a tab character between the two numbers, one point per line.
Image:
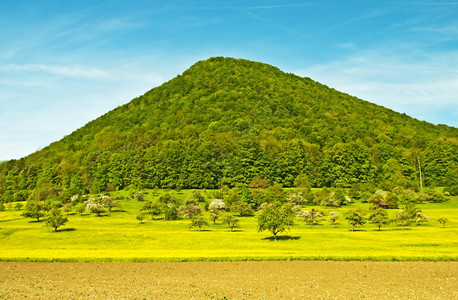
451	190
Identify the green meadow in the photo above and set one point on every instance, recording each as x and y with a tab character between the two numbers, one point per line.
119	236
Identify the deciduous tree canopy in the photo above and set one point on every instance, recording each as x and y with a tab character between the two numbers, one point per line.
229	121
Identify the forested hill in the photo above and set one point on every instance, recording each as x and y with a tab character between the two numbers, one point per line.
225	121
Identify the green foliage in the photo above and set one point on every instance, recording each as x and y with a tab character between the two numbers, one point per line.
312	216
199	223
379	217
33	209
403	218
190	209
230	220
233	122
333	218
355	218
443	221
141	216
275	218
55	218
241	208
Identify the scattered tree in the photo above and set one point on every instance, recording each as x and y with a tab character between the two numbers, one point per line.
169	206
141	216
190	209
95	205
214	215
231	221
421	218
241	208
18	206
311	217
333	217
80	208
275	218
355	219
67	208
199	223
55	218
217	205
443	221
33	209
403	218
379	217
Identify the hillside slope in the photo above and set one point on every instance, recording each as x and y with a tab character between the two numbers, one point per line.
227	121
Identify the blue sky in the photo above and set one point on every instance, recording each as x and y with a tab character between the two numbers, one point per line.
64	63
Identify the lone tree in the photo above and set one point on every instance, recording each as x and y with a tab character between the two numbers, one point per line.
311	217
276	218
33	209
55	218
443	221
355	219
403	218
379	217
421	218
231	221
141	216
333	217
199	223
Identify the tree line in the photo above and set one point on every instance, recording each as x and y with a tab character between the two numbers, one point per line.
226	122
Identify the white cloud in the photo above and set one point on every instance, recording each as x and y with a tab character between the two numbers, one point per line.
68	71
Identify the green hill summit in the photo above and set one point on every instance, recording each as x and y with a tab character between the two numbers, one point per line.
226	121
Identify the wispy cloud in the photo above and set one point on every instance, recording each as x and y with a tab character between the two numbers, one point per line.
68	71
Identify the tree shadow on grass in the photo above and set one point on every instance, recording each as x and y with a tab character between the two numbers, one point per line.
66	229
282	238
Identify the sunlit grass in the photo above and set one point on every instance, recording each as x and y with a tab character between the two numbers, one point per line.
120	237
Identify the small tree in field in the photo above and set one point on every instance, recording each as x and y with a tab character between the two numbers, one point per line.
231	221
421	218
443	221
67	208
190	209
379	217
141	216
355	219
241	208
199	223
96	206
55	218
311	217
80	208
217	205
18	206
333	217
403	218
33	209
275	218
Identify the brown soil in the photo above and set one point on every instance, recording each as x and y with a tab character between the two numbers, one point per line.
233	280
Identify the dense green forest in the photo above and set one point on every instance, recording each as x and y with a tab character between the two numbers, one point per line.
228	121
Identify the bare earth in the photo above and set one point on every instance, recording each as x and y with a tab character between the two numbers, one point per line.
233	280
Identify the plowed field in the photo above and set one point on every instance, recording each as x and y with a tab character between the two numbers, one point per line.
231	280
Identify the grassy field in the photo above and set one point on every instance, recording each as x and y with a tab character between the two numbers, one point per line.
120	237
